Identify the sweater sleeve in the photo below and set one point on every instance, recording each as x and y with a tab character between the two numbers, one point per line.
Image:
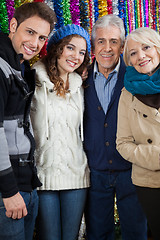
143	155
8	186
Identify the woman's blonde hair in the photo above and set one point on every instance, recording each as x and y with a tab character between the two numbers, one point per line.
143	35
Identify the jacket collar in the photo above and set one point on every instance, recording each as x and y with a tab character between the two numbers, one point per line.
89	83
121	72
145	110
8	53
75	80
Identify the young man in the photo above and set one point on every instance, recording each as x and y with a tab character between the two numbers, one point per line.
110	173
29	29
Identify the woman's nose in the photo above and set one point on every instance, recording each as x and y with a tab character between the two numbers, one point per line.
141	54
76	54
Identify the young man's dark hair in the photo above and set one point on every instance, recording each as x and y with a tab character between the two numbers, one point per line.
40	9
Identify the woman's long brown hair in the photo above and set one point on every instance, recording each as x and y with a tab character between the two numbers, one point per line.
50	62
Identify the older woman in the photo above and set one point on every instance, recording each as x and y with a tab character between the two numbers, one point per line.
138	132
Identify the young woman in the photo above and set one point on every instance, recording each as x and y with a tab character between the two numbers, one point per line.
57	117
138	133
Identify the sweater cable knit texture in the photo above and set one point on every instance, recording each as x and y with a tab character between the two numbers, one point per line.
61	161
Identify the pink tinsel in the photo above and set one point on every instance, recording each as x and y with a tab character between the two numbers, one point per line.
10	9
75	11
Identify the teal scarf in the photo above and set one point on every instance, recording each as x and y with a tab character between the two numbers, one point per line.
139	83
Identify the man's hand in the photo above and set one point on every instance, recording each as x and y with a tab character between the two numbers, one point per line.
15	206
84	74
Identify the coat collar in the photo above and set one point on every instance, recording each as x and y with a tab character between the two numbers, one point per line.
75	80
145	110
90	82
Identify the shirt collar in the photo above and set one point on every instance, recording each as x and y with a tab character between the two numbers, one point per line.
95	69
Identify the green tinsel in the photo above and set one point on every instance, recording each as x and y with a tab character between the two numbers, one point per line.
17	3
66	12
3	17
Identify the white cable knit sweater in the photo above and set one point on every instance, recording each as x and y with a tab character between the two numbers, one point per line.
61	161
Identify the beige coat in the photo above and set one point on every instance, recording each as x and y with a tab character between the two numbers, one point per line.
138	139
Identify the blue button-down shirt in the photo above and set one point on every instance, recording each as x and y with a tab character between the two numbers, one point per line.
105	87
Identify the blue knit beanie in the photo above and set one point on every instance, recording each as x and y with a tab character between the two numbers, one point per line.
67	30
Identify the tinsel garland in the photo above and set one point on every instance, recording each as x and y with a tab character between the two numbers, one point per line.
17	3
75	11
58	8
83	4
3	17
135	13
93	12
140	13
122	13
144	12
132	25
147	15
66	12
10	9
150	16
115	7
50	3
157	16
96	10
109	5
102	4
90	16
127	16
153	9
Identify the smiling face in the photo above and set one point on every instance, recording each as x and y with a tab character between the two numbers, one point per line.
107	48
72	56
143	57
30	36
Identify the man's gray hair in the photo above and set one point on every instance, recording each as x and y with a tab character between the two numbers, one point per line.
107	21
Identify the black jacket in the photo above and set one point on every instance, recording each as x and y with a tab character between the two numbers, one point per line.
16	140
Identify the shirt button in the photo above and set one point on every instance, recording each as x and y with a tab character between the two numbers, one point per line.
107	144
110	161
106	125
149	141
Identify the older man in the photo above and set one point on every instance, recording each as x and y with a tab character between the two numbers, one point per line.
110	173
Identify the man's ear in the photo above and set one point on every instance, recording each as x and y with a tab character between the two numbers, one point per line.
13	25
122	49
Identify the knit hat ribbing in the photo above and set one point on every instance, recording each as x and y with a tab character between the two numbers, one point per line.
67	30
